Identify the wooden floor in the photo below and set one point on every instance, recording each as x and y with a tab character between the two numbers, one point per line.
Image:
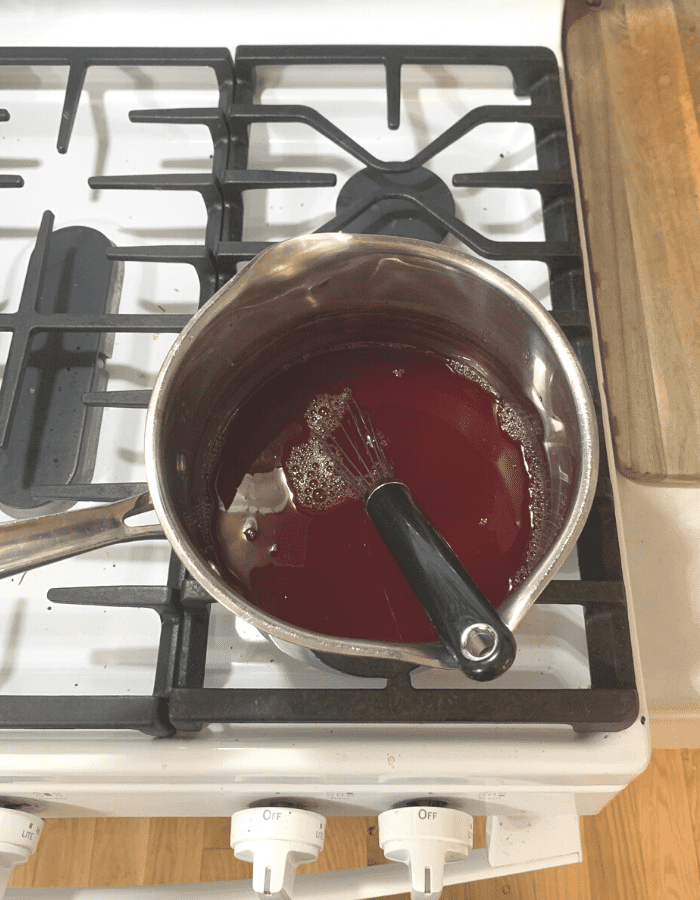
643	846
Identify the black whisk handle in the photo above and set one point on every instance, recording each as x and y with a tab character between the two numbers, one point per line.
470	627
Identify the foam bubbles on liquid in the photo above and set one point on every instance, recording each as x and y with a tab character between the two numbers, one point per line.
514	423
315	482
325	412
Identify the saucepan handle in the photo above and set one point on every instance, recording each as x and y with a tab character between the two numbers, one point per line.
29	543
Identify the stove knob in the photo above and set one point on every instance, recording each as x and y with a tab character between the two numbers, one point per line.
425	838
19	836
276	840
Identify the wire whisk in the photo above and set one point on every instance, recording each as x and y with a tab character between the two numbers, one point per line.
482	645
358	457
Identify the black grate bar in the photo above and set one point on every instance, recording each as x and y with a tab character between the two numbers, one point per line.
399	703
118	399
146	714
609	649
608	641
541	118
36	270
393	92
102	493
212	118
108	322
202	184
217	58
132	596
19	324
79	59
188	665
191	660
572	320
74	88
185	665
559	256
604	486
195	255
271	178
179	181
551	185
598	554
15	366
537	60
9	181
591	594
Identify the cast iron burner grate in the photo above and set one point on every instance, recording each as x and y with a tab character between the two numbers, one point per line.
388	196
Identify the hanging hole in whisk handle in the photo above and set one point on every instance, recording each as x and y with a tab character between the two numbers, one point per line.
479	641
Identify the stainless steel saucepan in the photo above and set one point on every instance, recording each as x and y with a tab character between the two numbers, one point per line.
300	297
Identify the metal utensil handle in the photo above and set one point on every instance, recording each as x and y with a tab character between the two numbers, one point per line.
30	543
483	645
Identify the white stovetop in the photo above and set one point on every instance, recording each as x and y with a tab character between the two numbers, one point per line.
230	23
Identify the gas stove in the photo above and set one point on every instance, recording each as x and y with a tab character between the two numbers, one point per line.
136	181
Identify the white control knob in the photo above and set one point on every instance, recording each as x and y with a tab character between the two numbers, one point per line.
19	836
425	838
276	840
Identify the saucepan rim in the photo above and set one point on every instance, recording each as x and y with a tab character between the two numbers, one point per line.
268	262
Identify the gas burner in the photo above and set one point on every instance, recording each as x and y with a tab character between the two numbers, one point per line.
402	206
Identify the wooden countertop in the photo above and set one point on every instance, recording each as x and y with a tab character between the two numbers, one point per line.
633	73
634	85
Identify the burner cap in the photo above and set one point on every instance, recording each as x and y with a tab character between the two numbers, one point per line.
396	216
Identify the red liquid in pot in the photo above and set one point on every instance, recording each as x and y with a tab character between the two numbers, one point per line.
327	569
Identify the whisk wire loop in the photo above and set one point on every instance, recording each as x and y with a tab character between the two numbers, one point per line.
364	465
